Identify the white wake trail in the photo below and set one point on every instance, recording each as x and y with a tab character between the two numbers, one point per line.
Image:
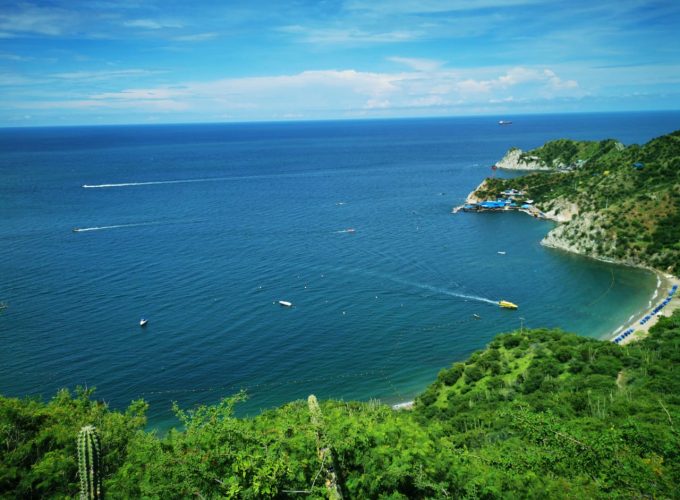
153	183
438	290
444	291
101	228
136	224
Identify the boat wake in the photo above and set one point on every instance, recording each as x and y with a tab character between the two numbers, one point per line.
202	179
102	228
153	183
136	224
444	291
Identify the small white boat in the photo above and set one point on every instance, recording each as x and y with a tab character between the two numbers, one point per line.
285	303
501	253
143	322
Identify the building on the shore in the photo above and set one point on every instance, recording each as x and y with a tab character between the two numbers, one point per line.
509	193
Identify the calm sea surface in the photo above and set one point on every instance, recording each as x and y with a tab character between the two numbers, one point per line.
203	228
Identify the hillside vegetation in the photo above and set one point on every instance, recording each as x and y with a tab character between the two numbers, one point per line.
537	414
628	198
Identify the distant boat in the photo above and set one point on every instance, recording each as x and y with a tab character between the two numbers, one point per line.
285	303
505	122
350	230
507	305
143	322
476	316
76	230
501	253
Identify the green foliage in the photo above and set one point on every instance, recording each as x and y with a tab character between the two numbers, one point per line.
538	414
636	211
89	463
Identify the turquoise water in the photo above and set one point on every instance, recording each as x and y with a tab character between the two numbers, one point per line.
203	228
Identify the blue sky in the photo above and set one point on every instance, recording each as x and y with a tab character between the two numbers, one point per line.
67	62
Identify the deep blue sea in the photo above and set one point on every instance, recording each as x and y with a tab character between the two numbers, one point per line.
203	228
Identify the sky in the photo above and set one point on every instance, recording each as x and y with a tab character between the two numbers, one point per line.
75	62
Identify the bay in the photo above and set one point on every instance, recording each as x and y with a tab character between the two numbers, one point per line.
204	228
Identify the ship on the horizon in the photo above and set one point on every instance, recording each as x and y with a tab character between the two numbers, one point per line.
504	122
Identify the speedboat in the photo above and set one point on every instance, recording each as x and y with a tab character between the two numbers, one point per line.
143	322
285	303
507	305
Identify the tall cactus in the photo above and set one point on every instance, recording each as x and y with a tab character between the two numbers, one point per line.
89	463
325	450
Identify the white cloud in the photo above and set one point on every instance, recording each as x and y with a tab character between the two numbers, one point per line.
557	83
13	79
13	57
103	75
198	37
331	92
418	64
151	24
27	18
348	36
377	104
429	6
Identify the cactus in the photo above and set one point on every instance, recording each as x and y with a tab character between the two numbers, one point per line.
89	463
325	451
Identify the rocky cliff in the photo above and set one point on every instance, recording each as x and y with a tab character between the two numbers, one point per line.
516	159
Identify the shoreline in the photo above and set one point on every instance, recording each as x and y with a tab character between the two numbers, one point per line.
664	284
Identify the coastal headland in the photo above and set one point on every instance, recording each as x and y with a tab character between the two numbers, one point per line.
610	202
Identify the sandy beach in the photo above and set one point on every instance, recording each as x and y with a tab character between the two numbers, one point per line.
666	282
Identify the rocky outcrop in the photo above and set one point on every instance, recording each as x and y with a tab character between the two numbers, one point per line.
584	235
514	159
560	210
472	197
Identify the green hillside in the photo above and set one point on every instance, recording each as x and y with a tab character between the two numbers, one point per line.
628	197
538	414
565	153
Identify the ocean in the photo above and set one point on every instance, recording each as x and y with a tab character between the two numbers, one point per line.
202	229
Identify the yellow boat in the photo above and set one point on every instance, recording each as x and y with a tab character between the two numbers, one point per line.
507	305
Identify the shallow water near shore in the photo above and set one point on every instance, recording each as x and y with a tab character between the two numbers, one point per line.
204	228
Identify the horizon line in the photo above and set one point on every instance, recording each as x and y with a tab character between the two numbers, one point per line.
328	120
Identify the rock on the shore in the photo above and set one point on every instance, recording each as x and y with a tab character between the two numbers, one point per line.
582	235
472	197
513	161
561	210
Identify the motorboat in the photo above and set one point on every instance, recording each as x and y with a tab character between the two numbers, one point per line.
143	322
507	305
285	303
